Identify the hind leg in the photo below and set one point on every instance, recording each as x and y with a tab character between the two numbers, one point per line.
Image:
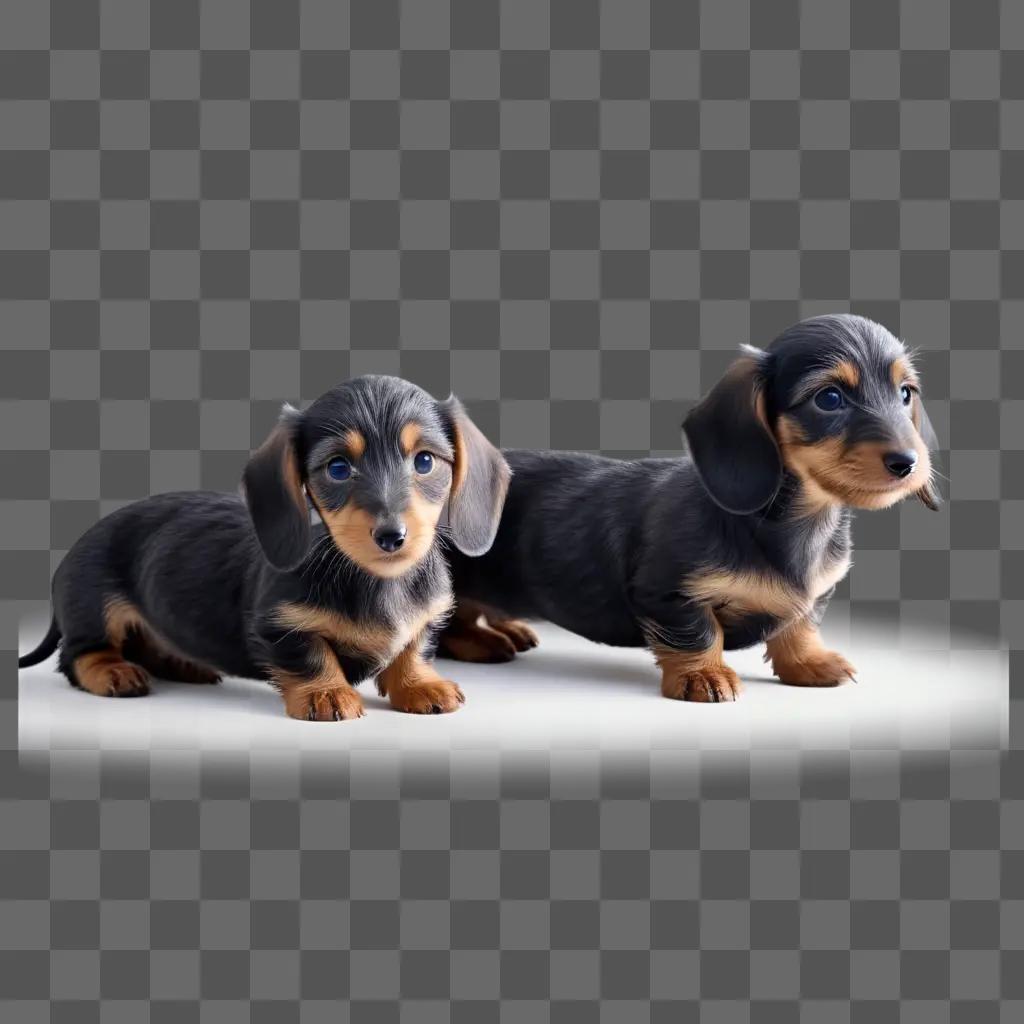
93	647
105	673
477	634
522	636
141	648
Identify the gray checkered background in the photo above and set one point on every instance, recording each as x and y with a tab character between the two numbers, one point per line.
570	214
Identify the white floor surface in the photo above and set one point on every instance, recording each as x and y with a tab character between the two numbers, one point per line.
567	694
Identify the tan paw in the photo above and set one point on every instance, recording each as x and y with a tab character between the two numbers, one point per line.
336	704
814	668
434	698
105	674
522	636
709	685
127	680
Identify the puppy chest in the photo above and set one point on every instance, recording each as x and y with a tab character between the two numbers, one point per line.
411	625
372	643
757	601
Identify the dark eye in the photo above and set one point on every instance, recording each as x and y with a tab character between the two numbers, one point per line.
906	394
339	469
423	463
829	399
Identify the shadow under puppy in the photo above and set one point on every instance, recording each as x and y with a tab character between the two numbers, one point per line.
742	542
191	585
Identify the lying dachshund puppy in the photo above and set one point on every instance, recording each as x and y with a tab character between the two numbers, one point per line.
188	586
742	542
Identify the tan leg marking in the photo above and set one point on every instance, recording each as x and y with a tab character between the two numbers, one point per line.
700	676
483	635
325	697
475	642
414	685
800	658
105	673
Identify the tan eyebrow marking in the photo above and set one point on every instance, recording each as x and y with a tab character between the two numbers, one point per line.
847	373
902	371
410	437
355	443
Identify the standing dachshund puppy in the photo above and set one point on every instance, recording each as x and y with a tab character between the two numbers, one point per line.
189	586
742	542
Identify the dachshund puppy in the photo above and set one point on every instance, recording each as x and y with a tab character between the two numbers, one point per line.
742	542
189	586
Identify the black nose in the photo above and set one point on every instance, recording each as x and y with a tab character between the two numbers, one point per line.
900	464
389	538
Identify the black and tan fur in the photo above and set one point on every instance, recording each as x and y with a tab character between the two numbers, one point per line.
290	581
741	542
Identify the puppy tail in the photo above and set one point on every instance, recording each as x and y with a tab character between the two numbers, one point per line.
46	647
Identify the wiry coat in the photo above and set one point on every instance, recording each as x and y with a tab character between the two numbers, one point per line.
741	541
602	547
193	585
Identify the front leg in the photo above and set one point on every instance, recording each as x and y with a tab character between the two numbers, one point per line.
799	657
311	681
412	684
687	643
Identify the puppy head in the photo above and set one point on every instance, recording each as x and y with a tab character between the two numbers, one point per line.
379	459
835	401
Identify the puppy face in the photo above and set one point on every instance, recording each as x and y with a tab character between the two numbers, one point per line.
845	403
378	469
833	400
378	459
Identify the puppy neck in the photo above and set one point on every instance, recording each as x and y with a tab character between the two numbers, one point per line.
797	537
800	500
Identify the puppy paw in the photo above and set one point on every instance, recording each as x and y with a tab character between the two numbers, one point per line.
522	636
472	643
106	675
709	685
814	668
432	698
337	704
127	680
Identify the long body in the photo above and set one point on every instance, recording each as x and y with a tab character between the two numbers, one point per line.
194	585
601	546
741	541
191	567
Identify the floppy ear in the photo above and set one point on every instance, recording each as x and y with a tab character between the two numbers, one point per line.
479	482
273	491
733	450
929	493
